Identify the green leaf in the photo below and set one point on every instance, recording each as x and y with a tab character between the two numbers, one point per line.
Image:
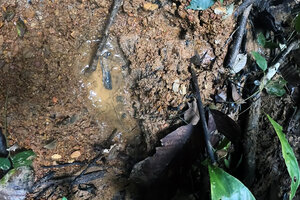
297	23
289	158
5	164
225	187
200	4
7	176
260	60
276	87
64	198
23	158
261	39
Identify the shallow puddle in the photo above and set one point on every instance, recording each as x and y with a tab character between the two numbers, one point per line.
109	105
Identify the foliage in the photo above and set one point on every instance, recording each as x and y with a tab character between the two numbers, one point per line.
276	87
201	4
261	40
23	158
226	187
260	60
5	164
289	158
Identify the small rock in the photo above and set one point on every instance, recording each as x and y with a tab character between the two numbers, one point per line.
183	90
56	157
150	6
75	154
176	86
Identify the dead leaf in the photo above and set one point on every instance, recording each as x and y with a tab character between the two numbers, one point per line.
237	98
149	169
191	115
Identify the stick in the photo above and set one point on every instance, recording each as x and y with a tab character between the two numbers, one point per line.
94	61
243	6
239	37
202	117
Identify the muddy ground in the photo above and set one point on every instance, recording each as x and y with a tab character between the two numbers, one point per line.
46	98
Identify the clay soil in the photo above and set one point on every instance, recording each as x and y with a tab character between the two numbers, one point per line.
45	97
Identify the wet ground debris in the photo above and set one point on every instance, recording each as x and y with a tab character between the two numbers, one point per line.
105	34
50	182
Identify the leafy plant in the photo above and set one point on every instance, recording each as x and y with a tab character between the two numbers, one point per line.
276	87
5	164
289	158
200	4
261	40
23	158
224	186
260	60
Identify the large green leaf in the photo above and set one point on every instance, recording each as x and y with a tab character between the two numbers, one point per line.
4	164
200	4
23	158
289	158
223	186
276	87
260	60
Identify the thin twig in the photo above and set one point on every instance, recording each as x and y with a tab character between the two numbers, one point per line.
94	61
202	117
234	51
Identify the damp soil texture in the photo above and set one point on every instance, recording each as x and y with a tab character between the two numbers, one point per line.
50	105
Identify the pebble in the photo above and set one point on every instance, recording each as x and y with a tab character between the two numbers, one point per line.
55	157
176	86
150	6
75	154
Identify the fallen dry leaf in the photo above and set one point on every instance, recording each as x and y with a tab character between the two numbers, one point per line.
149	169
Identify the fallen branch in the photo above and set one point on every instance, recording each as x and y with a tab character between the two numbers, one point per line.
234	51
94	61
202	117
